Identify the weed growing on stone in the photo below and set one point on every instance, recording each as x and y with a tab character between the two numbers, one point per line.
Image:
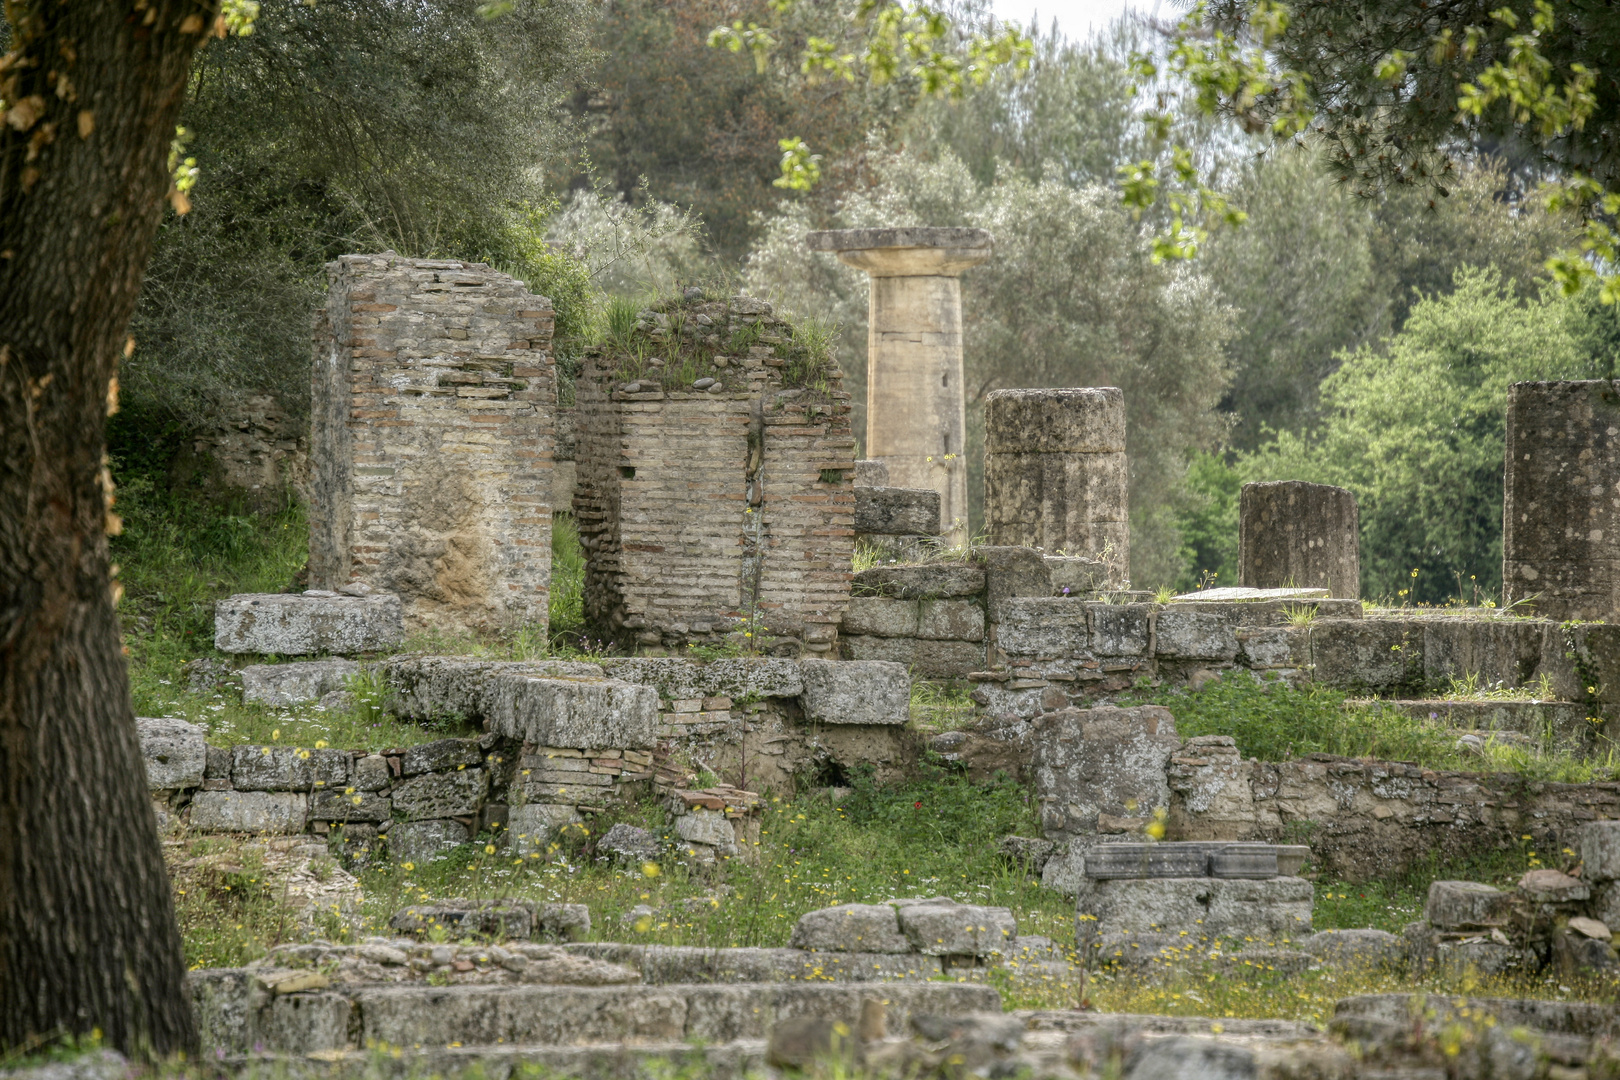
936	707
567	604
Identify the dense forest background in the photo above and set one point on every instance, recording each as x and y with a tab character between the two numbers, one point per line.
607	149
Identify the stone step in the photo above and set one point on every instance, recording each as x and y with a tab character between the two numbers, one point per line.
1532	724
734	1060
236	1013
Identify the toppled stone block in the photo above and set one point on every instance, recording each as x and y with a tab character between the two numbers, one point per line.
288	768
292	684
174	752
1108	862
275	812
893	511
1356	948
441	795
921	581
939	926
872	928
562	922
1600	850
418	841
292	624
743	677
1466	905
441	755
579	714
1205	907
700	826
427	688
856	692
1089	762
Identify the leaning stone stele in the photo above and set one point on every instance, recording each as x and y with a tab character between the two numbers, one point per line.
916	419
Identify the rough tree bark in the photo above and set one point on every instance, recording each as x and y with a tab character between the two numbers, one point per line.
87	933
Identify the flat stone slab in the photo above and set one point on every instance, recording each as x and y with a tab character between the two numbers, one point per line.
1589	1019
295	624
1186	858
903	237
675	678
273	812
295	683
1236	595
856	692
660	964
173	751
1466	905
574	713
1269	910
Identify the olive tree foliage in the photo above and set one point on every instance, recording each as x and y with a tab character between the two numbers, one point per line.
1070	298
628	248
343	126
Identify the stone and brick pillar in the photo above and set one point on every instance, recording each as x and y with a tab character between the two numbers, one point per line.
916	420
1297	535
434	394
1561	505
1055	473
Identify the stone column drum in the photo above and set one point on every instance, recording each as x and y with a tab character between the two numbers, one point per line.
916	421
1055	473
1297	535
1561	505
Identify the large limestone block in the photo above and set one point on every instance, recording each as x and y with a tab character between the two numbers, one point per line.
1195	635
577	714
897	511
1121	630
1600	850
1046	626
950	620
1466	905
441	755
921	581
293	624
942	927
174	752
442	795
1291	533
1380	656
872	928
275	812
1076	575
880	617
288	768
924	658
1204	907
427	688
743	677
1070	420
1009	573
1560	521
1089	762
855	692
291	684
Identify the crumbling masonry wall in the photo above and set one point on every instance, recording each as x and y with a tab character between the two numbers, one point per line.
714	496
434	393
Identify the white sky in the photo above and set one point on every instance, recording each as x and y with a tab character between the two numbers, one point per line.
1076	18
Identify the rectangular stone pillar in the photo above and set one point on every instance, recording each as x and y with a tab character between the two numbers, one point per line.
1297	535
434	392
1561	499
1055	473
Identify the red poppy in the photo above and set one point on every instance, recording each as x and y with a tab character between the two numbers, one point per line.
916	806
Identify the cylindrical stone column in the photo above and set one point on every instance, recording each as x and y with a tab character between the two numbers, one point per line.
1297	535
1561	499
916	419
1055	473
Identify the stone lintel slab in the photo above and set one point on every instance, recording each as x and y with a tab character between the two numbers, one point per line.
906	252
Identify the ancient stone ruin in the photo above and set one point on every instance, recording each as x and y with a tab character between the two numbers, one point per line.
916	420
1297	535
716	474
432	435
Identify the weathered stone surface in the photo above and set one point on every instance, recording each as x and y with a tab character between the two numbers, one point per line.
1120	630
950	620
574	713
855	692
1101	761
870	473
872	928
418	841
441	795
491	918
921	581
272	812
1356	948
925	659
1587	1018
1204	907
1294	534
1466	905
441	755
942	927
173	751
1106	862
338	805
530	828
290	684
1048	626
1560	525
896	511
288	768
1011	572
1055	473
1373	655
1549	886
428	688
1077	575
432	439
371	773
629	844
1195	635
291	624
738	678
701	826
562	922
1600	851
880	617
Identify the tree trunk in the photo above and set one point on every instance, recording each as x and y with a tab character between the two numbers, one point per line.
88	939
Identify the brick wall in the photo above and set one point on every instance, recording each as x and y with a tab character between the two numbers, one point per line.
434	394
713	497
